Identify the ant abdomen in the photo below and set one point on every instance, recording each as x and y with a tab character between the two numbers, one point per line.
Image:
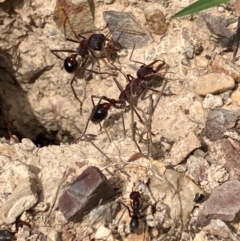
96	41
134	224
100	112
70	64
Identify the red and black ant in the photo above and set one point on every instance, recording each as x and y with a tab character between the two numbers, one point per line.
136	211
96	42
135	87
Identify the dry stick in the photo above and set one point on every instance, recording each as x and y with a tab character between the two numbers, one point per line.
149	125
133	123
109	159
64	177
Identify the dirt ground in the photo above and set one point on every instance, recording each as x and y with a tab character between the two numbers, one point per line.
178	151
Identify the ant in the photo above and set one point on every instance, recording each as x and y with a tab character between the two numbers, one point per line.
136	211
135	86
87	46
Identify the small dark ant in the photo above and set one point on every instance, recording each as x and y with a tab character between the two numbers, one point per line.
135	86
96	42
136	211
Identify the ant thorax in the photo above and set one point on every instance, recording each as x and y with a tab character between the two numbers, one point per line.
96	42
146	73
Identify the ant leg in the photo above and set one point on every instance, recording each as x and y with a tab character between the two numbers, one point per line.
71	83
55	51
135	61
129	77
129	211
72	40
159	66
124	130
91	31
118	85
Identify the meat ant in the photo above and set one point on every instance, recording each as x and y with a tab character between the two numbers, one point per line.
135	87
95	42
135	213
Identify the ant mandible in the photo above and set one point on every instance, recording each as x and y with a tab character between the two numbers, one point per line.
136	211
135	86
96	42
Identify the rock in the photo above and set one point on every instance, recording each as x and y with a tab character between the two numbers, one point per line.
104	233
80	18
108	1
237	7
126	29
201	61
181	149
219	121
189	52
28	145
222	65
214	83
218	27
212	101
156	21
200	237
86	192
197	169
223	152
224	202
235	96
178	191
53	235
220	229
5	235
23	198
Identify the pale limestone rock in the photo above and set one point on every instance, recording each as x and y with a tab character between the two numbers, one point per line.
182	148
214	83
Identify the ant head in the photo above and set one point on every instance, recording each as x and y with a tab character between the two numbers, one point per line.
146	73
96	42
70	63
100	112
135	195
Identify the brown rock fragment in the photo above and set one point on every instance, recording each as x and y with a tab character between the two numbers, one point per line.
223	152
156	21
224	202
181	149
214	83
79	17
222	65
197	168
86	192
237	7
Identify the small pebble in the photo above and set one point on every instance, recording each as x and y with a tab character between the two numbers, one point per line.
212	101
185	62
221	9
189	53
